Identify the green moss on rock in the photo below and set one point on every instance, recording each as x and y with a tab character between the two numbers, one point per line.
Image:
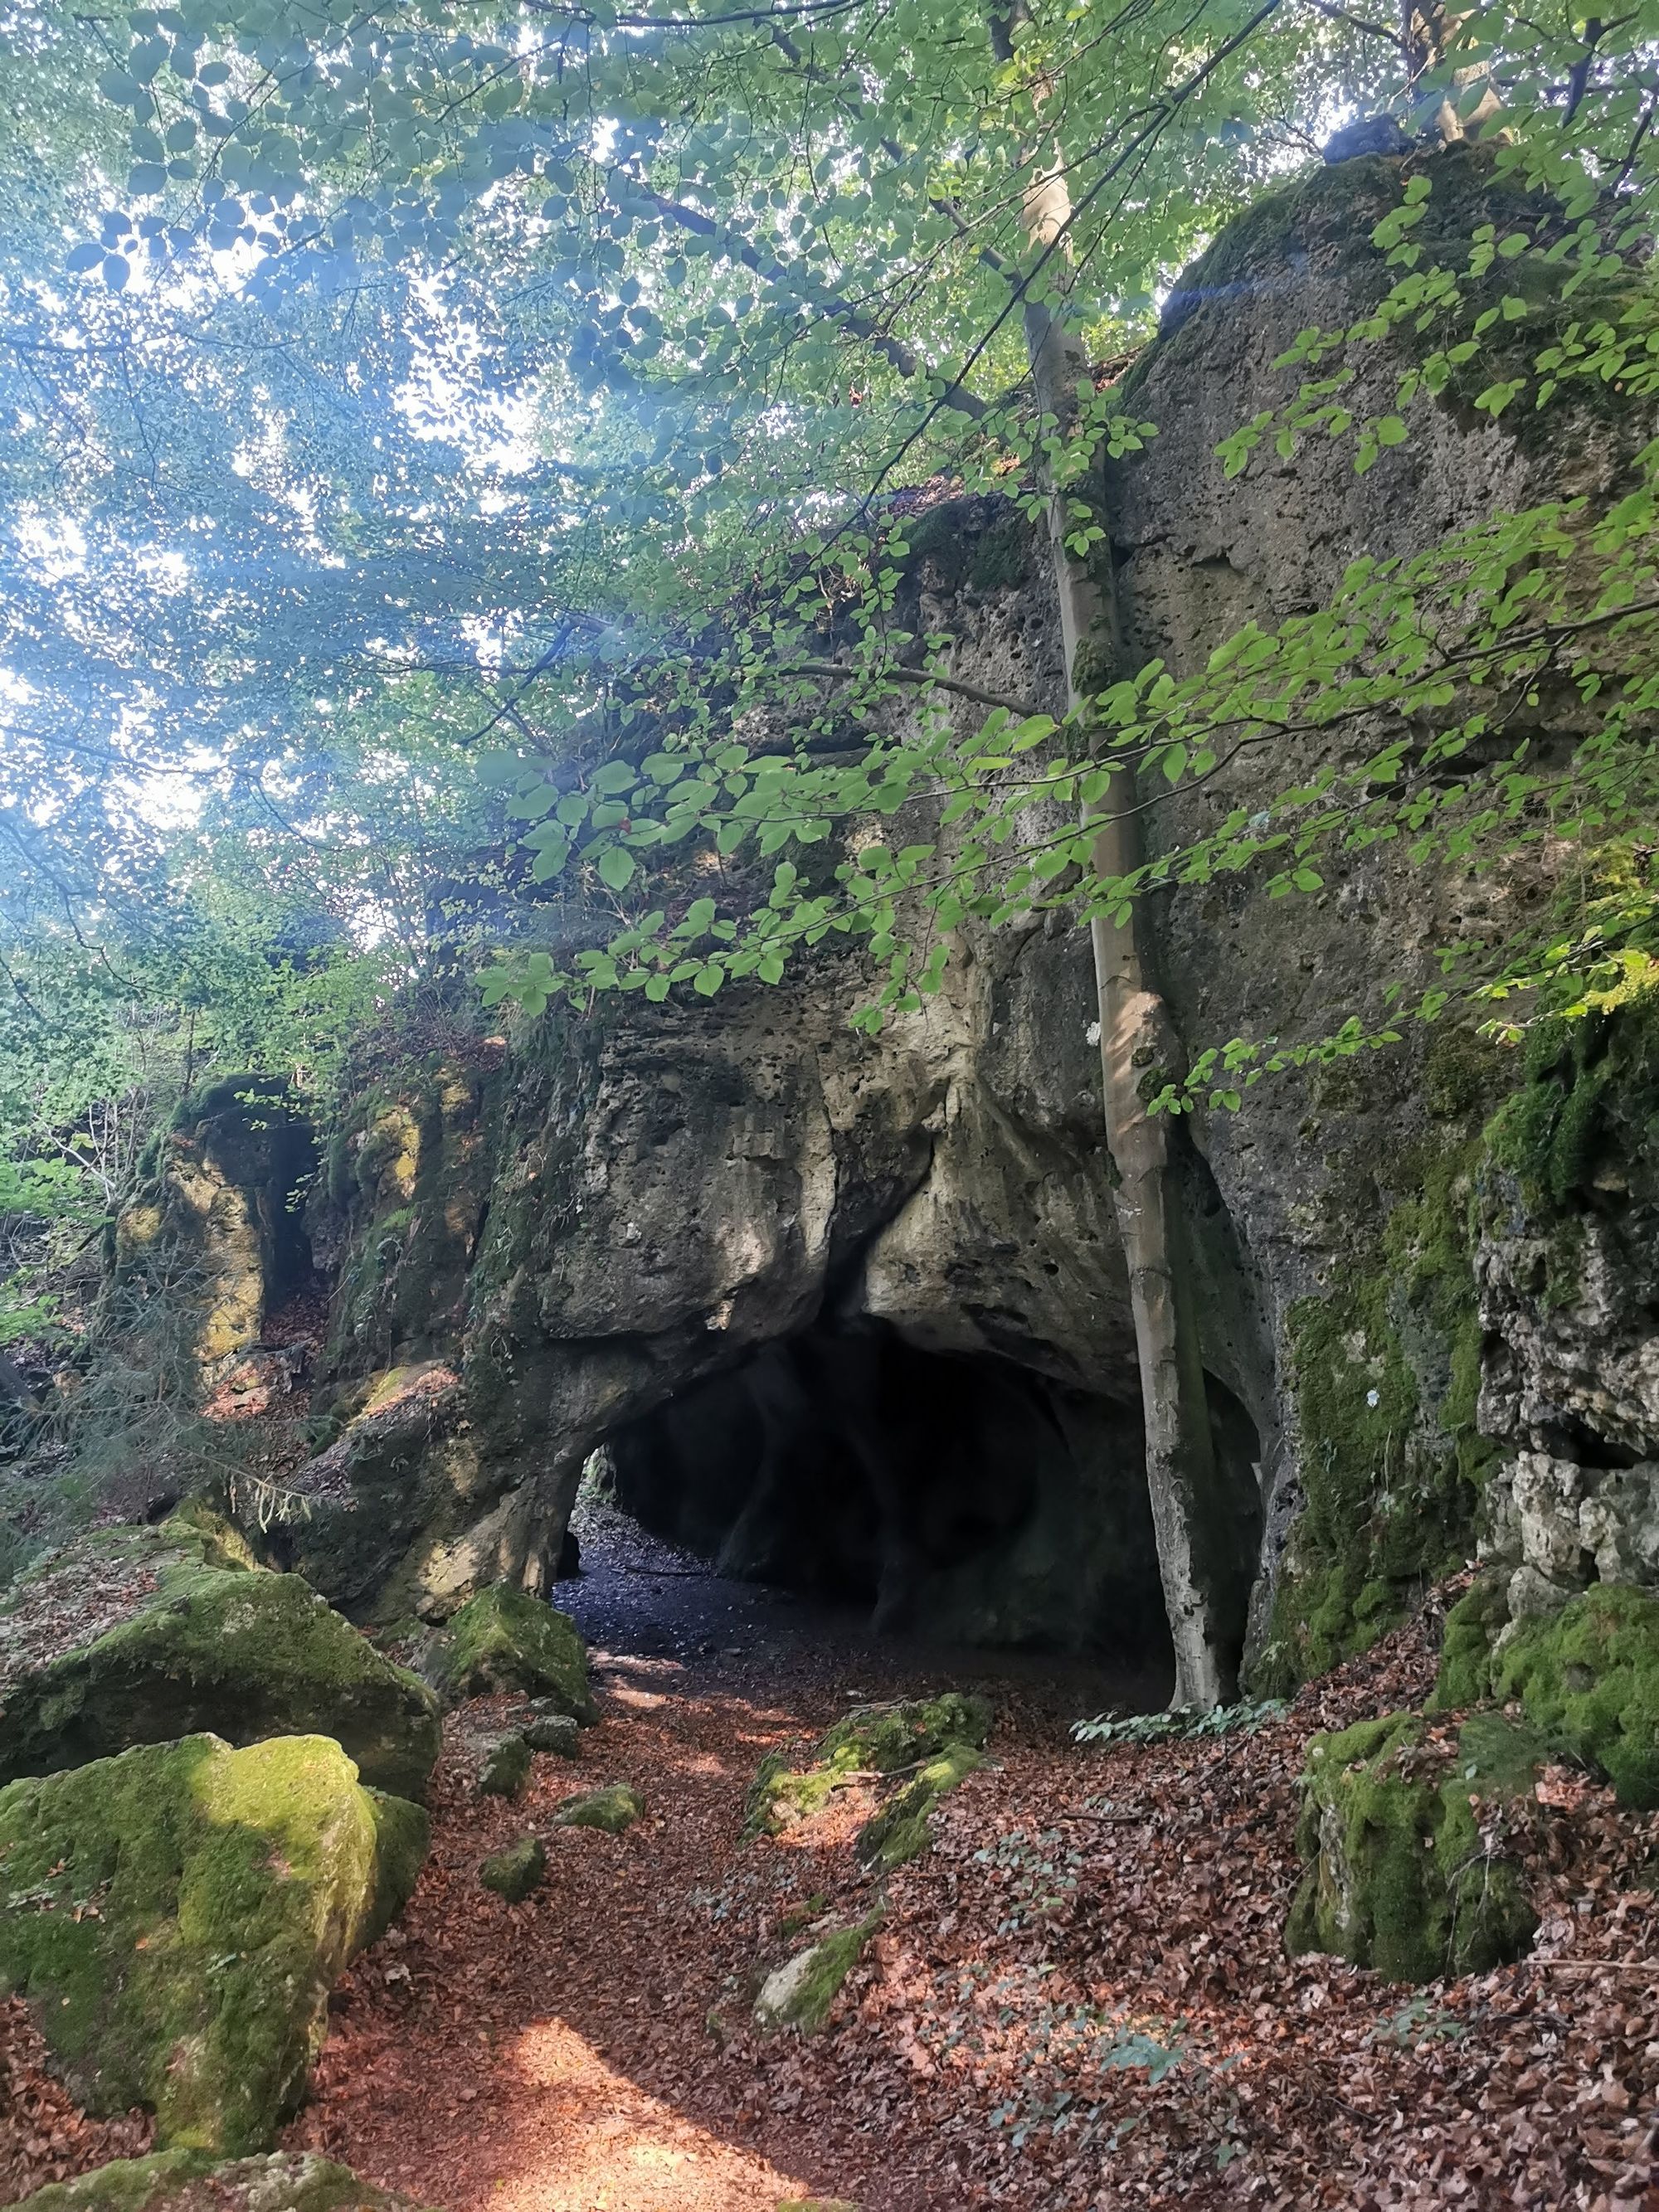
872	1740
513	1873
1397	1876
176	1917
1386	1376
505	1639
903	1830
191	2181
800	1994
610	1810
186	1647
1592	1092
1590	1677
1472	1628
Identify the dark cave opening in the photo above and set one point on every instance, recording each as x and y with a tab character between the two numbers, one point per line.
965	1500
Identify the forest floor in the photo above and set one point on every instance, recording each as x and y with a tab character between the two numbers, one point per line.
1077	2000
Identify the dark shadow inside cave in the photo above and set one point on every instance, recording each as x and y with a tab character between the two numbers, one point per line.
963	1499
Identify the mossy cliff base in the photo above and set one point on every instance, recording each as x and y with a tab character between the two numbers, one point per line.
177	1915
179	1646
1587	1677
189	2181
1402	1831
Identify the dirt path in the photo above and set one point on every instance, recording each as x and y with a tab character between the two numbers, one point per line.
580	2052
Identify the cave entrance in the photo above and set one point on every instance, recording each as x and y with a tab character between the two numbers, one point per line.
962	1498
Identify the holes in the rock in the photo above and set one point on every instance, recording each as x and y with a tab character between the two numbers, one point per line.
1568	1437
964	1499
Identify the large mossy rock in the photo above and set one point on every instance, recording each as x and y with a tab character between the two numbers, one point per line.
191	2181
176	1917
140	1636
871	1741
505	1639
135	1635
1400	1876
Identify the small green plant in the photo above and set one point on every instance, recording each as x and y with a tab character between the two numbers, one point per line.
1422	2020
1181	1723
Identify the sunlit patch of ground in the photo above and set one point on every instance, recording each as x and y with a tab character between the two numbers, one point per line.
584	2139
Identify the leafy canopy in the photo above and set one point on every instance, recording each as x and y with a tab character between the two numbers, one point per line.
487	413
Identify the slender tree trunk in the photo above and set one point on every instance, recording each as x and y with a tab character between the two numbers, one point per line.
1136	1036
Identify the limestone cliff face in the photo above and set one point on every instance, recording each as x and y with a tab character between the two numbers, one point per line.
220	1218
851	1312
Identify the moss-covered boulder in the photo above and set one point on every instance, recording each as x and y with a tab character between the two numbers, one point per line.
1590	1678
177	1915
872	1740
610	1810
194	2181
506	1767
513	1873
901	1829
135	1636
801	1992
1402	1834
505	1639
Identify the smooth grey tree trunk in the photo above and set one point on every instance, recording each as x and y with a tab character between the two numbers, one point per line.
1136	1037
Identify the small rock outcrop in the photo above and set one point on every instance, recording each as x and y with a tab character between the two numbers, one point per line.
506	1767
177	1915
613	1808
552	1731
504	1640
137	1635
901	1829
514	1873
801	1992
191	2181
947	1733
1403	1834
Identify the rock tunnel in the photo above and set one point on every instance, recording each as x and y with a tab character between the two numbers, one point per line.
963	1499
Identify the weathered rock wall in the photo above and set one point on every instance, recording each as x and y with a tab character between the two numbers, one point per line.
612	1229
